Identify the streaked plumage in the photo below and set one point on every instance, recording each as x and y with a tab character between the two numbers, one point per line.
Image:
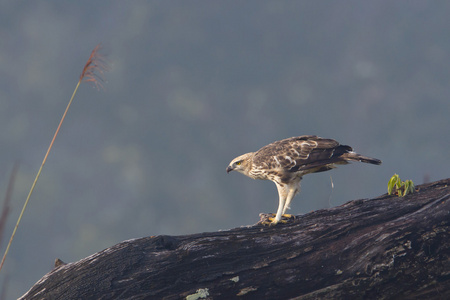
285	162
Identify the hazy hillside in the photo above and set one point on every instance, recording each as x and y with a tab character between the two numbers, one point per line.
194	84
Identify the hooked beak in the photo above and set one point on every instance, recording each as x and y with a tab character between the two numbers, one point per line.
229	169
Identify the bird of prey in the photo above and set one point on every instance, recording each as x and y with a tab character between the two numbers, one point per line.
285	162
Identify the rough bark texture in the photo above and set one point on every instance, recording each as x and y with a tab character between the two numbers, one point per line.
383	248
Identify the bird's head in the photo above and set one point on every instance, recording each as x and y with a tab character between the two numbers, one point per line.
242	164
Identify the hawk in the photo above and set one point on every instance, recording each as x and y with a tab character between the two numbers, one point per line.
285	162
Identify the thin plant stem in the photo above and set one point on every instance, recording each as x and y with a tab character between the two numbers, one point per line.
94	63
37	175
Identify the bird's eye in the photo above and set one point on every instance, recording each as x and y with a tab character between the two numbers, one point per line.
238	163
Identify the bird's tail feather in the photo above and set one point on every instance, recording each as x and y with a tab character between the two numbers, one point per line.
352	156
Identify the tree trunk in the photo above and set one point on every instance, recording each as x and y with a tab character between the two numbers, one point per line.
382	248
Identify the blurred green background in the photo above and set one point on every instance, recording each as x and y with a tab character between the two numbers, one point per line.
192	85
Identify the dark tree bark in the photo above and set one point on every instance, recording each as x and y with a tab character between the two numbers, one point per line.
382	248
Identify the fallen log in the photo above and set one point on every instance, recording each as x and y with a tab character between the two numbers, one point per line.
388	247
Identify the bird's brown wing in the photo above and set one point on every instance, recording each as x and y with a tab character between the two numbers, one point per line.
308	153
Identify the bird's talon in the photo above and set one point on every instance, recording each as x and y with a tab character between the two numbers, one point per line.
270	220
288	216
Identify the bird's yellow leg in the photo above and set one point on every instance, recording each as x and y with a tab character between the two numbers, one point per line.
285	197
281	202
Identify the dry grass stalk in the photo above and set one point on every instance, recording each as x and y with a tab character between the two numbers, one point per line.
92	72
